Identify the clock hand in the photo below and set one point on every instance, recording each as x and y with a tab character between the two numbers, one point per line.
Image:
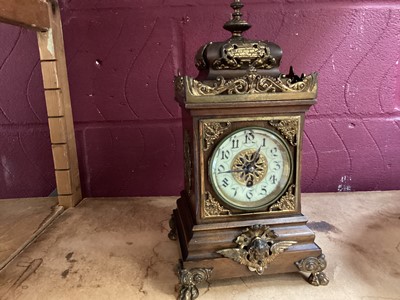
231	171
250	167
249	182
256	155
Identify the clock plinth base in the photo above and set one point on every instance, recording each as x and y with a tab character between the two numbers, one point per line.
199	245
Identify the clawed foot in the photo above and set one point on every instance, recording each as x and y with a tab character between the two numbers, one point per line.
188	281
318	278
190	292
315	265
172	233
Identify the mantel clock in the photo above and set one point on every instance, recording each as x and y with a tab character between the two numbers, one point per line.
240	212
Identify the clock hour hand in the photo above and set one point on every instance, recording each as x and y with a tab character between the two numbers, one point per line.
231	171
249	183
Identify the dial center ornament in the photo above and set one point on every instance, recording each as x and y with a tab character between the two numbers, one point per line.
250	168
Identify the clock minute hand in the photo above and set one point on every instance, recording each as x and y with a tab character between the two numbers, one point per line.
256	155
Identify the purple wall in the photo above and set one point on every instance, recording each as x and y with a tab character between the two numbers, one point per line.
122	56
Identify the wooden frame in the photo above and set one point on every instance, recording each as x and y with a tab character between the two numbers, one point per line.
44	17
32	14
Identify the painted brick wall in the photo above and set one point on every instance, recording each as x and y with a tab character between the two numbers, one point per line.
122	56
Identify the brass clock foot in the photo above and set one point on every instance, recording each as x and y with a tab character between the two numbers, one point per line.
188	281
172	233
315	265
318	278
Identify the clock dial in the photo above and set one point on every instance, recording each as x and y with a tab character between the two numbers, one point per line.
250	168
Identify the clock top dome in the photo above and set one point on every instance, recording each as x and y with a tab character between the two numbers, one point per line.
237	55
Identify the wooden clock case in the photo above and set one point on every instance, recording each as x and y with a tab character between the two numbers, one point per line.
235	91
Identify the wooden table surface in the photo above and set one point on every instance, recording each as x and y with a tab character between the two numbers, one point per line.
117	248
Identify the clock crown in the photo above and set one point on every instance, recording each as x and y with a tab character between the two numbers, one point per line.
236	56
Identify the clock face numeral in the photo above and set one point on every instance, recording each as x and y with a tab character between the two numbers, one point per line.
249	137
263	142
273	152
235	190
250	167
264	190
221	169
235	143
276	165
273	179
225	182
249	194
225	154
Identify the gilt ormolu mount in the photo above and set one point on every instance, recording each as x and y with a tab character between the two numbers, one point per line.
240	212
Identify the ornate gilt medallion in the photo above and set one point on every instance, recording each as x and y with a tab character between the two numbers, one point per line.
251	166
256	248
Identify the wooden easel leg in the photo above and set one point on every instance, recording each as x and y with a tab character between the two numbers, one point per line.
58	103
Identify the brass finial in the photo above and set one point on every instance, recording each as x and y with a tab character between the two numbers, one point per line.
236	25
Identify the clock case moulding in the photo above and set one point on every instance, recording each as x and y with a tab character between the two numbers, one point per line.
240	85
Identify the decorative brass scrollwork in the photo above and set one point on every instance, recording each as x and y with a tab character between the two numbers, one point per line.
288	128
213	208
252	83
286	203
235	55
212	131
